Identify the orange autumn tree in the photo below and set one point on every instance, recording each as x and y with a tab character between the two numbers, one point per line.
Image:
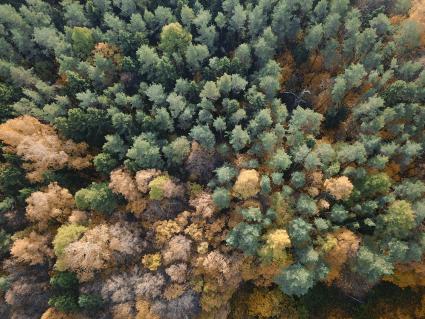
41	147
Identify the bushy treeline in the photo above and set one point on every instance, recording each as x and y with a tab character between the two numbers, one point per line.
211	159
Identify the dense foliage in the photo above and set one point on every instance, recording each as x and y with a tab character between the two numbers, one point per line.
212	159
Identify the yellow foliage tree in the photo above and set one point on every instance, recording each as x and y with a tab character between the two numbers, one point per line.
152	261
52	313
144	310
247	184
340	246
339	187
123	311
408	275
275	243
165	230
264	303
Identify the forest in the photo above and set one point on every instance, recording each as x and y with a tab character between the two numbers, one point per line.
212	159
